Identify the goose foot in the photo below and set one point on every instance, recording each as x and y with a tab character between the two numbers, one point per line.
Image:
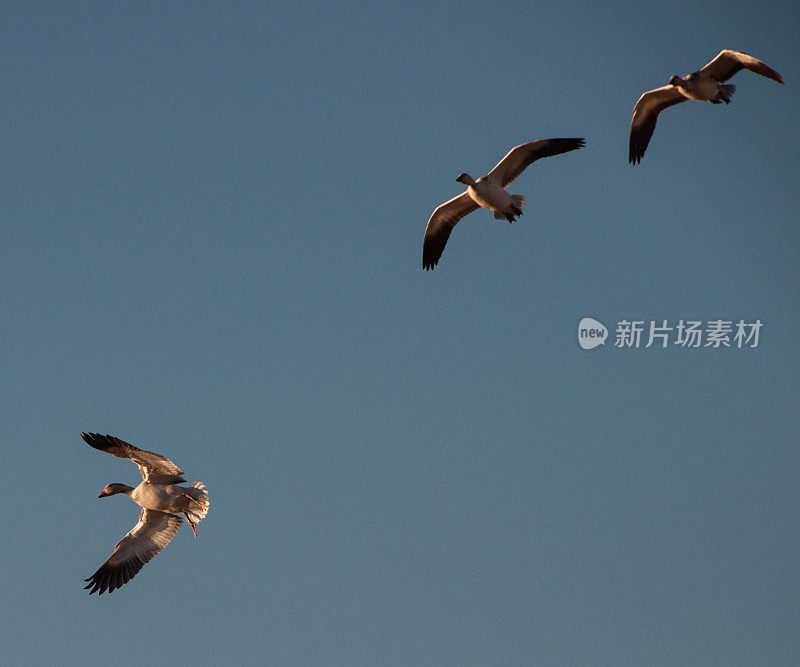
197	502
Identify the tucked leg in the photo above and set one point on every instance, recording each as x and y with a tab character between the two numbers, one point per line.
191	523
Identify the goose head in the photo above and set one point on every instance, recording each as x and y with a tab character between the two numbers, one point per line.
466	179
115	488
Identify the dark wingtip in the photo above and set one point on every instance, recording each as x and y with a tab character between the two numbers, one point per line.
428	262
98	441
571	143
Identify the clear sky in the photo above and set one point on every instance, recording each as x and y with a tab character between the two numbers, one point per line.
212	242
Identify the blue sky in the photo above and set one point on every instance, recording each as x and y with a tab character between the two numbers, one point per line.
213	221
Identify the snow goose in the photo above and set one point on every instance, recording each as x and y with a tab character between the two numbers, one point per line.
488	192
705	85
160	498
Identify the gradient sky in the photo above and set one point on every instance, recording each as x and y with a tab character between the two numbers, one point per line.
213	217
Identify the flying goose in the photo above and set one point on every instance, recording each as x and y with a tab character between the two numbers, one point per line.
705	85
160	498
488	192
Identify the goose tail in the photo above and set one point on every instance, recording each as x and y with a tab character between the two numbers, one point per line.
198	508
513	211
725	92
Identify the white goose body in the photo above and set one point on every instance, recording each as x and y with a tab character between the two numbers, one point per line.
488	194
700	87
169	498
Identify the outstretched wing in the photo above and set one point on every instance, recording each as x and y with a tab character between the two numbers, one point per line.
441	223
520	157
645	114
728	62
154	531
154	467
